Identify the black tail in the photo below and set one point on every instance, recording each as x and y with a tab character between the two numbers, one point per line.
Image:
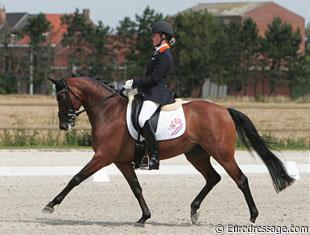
250	138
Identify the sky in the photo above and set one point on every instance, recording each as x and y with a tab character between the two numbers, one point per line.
110	12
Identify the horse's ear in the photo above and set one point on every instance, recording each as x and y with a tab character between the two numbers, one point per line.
53	80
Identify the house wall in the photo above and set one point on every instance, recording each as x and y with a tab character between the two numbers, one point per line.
265	14
262	88
2	16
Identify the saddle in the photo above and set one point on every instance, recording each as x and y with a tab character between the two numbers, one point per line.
135	112
168	123
141	160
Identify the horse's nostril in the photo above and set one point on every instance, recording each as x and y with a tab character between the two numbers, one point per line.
63	126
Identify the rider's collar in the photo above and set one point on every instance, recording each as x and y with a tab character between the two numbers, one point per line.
162	48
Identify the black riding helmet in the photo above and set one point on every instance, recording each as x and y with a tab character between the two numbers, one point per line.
163	27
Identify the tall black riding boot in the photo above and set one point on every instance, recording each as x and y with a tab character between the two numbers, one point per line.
151	145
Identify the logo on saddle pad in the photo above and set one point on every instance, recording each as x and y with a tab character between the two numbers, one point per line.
171	124
175	126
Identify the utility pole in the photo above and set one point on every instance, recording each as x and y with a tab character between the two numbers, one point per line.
31	72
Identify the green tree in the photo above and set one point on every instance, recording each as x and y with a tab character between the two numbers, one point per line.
196	33
136	34
127	28
302	84
226	56
38	29
87	45
99	64
308	39
126	34
75	39
250	52
8	82
281	47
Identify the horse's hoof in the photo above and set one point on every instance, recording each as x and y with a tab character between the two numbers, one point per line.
141	221
252	220
139	224
48	210
253	217
194	217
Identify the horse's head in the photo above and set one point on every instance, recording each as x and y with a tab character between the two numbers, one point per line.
68	103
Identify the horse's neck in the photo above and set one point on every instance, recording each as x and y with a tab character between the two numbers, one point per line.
103	109
90	92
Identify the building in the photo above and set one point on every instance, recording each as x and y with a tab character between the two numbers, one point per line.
262	13
11	24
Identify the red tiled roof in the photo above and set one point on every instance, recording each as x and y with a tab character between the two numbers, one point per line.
57	30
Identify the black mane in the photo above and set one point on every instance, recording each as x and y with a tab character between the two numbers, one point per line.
101	83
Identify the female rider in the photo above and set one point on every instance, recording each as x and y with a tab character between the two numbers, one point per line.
153	87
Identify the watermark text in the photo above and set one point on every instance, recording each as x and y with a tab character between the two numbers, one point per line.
263	229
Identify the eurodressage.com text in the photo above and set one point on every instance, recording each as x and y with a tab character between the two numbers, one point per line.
273	229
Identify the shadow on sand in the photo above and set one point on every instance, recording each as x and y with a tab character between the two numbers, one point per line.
65	222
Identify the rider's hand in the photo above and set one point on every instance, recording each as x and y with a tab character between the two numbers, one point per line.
128	84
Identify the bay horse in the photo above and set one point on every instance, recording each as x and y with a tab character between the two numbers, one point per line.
211	130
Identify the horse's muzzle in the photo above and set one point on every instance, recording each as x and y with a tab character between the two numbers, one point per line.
66	126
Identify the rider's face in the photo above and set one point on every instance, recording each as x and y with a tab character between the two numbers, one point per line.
155	39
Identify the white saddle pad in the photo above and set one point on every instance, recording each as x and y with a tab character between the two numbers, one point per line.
171	124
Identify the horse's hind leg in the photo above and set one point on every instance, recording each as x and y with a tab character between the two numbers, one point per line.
231	167
201	161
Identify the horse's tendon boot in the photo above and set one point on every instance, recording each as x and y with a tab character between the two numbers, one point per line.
154	161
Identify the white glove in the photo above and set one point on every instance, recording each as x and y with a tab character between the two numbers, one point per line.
128	84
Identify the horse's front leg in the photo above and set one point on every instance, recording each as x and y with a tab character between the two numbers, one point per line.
127	170
95	164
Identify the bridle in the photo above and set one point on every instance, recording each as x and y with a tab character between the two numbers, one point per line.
71	114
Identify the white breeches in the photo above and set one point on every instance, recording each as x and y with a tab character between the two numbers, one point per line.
147	110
